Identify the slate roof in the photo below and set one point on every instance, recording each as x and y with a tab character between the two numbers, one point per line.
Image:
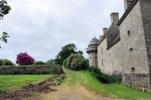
94	41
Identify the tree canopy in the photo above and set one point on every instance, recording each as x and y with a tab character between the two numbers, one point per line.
50	62
4	10
65	53
5	62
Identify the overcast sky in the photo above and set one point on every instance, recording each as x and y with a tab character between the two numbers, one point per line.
42	27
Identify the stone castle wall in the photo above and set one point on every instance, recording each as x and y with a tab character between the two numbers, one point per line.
129	56
136	69
139	81
134	50
109	61
146	18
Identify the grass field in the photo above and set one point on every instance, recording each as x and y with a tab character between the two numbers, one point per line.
85	78
15	82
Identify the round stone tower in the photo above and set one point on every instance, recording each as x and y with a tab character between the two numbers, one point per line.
92	51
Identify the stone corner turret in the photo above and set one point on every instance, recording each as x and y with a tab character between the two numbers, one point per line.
92	51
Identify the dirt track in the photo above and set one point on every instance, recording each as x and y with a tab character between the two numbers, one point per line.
65	92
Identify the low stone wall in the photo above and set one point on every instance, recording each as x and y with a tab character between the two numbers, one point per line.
11	70
139	81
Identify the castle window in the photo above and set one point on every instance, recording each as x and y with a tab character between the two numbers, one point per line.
133	69
101	50
129	34
131	49
102	62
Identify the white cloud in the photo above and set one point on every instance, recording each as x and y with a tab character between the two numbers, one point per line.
42	27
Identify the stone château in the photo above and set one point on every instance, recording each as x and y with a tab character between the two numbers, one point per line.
125	47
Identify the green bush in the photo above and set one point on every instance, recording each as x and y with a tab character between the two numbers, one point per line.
65	62
104	78
50	62
39	63
94	69
5	62
79	64
71	58
87	60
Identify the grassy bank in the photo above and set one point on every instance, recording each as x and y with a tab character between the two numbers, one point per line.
14	82
85	78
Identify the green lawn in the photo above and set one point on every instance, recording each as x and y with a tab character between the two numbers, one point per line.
14	82
85	78
114	90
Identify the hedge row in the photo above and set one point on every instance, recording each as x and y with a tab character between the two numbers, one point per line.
11	70
104	78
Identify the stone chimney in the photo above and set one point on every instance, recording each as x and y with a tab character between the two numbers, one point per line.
114	17
127	3
104	31
104	34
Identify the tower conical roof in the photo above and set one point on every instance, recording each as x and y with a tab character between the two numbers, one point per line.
94	41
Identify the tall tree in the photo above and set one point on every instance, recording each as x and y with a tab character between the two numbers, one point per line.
65	52
4	10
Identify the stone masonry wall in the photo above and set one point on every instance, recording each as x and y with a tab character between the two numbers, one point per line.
146	17
129	57
135	61
133	43
139	81
11	70
109	61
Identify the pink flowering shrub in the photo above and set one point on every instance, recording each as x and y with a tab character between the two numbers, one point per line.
24	59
